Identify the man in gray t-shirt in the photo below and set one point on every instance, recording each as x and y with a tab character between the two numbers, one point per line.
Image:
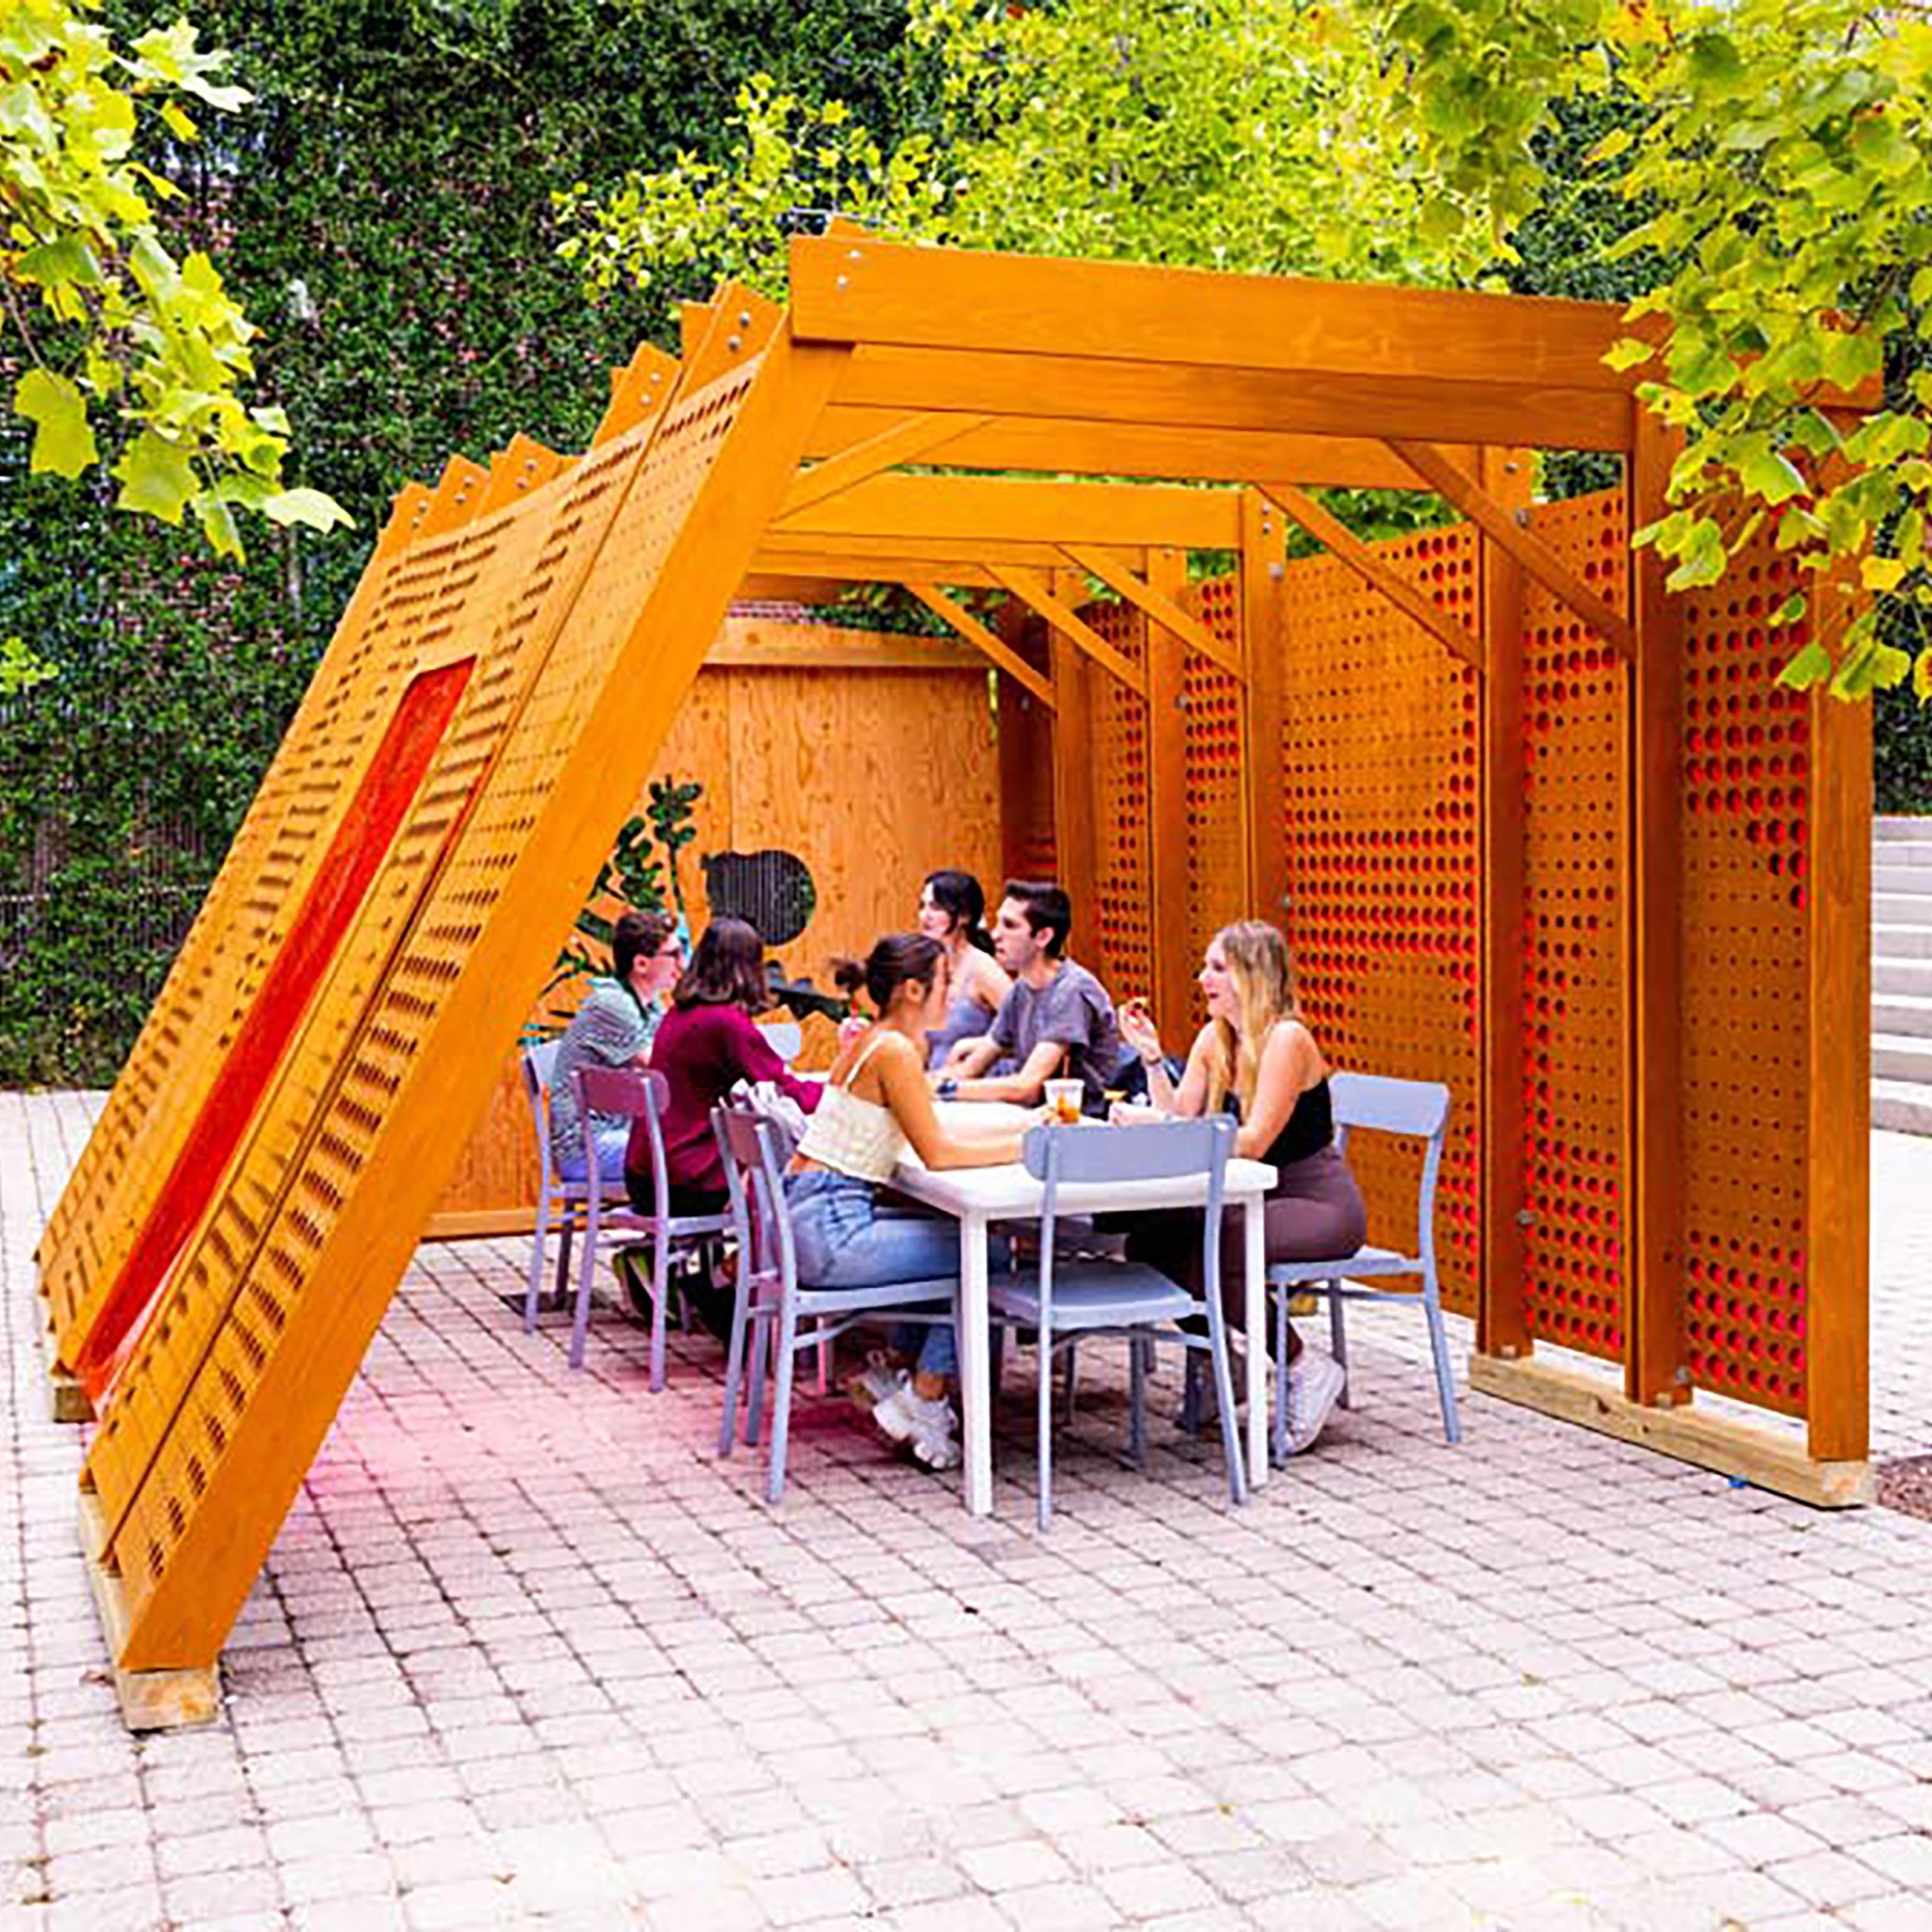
1057	1022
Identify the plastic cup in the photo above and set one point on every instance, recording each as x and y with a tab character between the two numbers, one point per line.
1063	1100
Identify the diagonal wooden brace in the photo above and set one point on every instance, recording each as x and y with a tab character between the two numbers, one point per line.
1537	559
974	632
1156	603
904	442
1032	591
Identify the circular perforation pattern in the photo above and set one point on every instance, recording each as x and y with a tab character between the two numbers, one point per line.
1123	948
1745	747
1574	1190
1381	744
1211	728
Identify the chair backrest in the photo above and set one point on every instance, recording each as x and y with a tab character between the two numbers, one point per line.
785	1038
1416	1109
539	1063
632	1093
754	1177
1157	1151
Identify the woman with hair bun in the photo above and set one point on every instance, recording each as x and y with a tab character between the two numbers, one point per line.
952	910
1256	1060
848	1228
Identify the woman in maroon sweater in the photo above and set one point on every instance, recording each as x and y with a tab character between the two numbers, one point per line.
705	1045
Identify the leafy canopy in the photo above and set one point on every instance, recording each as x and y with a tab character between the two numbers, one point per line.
1772	156
102	310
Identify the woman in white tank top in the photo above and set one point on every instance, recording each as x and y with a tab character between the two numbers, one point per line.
849	1229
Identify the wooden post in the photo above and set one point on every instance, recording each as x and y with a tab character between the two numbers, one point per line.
1174	964
1502	1321
1655	1374
1073	829
1264	651
1838	1139
1027	764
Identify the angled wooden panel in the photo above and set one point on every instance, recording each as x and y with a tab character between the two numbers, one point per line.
575	682
1380	739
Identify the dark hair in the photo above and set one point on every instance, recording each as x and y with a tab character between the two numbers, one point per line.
638	935
958	895
1047	910
727	969
897	958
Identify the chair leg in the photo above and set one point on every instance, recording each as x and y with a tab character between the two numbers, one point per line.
996	1349
567	1233
1231	1427
1281	1294
1070	1377
1137	1400
763	1333
1190	1394
1044	1421
1338	1343
579	1325
1445	1376
734	1364
660	1299
786	1329
533	1291
825	1364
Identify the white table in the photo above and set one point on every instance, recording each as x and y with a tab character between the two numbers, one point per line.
975	1196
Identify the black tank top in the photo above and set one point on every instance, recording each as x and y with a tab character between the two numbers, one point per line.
1307	1130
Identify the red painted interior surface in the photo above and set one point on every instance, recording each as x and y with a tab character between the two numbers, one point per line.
361	844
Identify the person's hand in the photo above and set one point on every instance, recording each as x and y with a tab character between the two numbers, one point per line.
1137	1028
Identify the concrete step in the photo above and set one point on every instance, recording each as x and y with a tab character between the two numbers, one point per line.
1914	855
1912	976
1908	1015
1901	908
1902	1107
1890	830
1898	1056
1893	942
1887	875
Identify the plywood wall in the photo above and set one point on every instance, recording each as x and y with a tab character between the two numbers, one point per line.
871	769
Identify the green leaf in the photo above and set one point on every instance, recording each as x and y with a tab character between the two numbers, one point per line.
156	477
63	440
218	524
56	264
1788	612
312	507
1770	474
1877	143
1811	664
1628	353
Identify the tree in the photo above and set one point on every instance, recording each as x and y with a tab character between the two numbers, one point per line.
1774	158
96	303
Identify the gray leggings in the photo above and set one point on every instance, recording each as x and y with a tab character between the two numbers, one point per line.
1315	1212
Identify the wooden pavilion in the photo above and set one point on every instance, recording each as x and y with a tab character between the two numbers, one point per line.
1534	826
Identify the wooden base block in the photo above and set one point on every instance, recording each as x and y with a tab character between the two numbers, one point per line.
150	1700
478	1223
67	1399
1766	1461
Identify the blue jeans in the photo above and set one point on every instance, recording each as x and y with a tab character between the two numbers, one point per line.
611	1143
845	1236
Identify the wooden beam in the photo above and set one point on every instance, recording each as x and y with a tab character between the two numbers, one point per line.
840	567
1512	533
975	632
1156	603
743	325
760	644
1168	870
1837	1102
937	553
1502	1318
1068	623
639	390
516	470
459	490
969	510
1776	1463
904	441
1071	445
1264	651
870	291
1244	401
1027	764
1347	547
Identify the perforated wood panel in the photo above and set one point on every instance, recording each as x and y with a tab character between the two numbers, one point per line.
1381	745
1119	941
226	1393
1575	1188
1746	776
1216	850
182	1050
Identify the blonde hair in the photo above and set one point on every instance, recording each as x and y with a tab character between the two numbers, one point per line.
1263	976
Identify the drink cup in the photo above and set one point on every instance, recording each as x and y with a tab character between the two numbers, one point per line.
1063	1100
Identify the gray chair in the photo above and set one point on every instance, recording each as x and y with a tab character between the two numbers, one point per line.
771	1292
636	1093
1065	1299
559	1201
1413	1110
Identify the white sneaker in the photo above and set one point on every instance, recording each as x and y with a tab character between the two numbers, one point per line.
925	1422
875	1382
1316	1383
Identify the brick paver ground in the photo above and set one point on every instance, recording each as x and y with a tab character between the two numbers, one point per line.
527	1653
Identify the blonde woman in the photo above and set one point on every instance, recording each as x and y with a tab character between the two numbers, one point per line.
1255	1058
